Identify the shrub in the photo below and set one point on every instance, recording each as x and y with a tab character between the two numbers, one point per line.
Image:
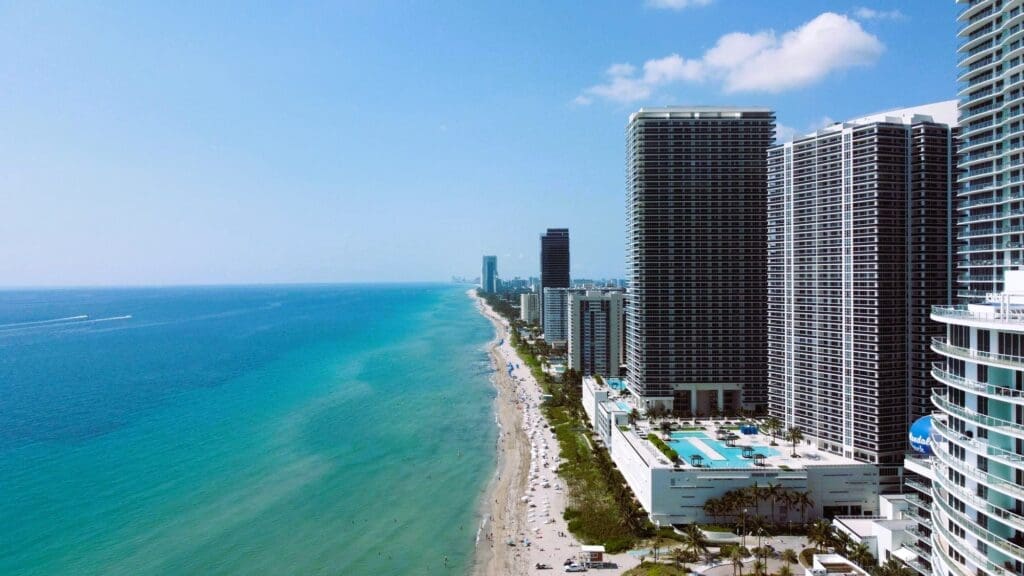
667	450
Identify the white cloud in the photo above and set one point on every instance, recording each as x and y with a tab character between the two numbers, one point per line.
677	4
742	62
784	133
872	14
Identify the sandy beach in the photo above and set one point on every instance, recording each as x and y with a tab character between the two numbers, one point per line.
527	498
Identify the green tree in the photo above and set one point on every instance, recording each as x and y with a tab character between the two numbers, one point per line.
785	570
773	426
819	533
861	554
795	435
736	557
804	501
694	539
789	556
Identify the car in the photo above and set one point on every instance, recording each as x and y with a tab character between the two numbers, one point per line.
542	566
575	568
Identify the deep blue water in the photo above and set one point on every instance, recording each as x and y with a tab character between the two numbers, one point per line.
243	430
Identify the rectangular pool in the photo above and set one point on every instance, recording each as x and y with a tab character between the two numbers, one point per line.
719	455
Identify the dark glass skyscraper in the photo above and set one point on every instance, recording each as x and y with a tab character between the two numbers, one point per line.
489	274
696	256
554	262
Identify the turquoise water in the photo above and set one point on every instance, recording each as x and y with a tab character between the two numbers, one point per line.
733	456
278	430
616	383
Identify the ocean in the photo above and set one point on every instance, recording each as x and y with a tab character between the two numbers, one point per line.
344	429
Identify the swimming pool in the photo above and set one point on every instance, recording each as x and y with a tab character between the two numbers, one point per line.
714	452
615	383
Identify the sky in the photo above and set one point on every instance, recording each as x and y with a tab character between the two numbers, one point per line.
359	141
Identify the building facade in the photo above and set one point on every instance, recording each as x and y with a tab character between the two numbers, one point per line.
595	332
529	308
977	515
555	319
554	262
859	249
489	274
696	256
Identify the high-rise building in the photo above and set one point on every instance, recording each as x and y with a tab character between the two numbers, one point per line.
595	332
696	257
489	275
529	308
554	262
977	470
976	518
555	319
859	249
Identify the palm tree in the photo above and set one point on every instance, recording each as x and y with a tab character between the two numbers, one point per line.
776	492
804	501
772	427
759	567
789	556
842	542
634	415
695	540
861	554
785	570
795	435
737	561
894	567
712	507
820	534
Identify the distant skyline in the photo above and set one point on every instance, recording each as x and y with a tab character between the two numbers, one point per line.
375	141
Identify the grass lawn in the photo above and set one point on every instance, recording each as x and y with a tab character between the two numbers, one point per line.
652	569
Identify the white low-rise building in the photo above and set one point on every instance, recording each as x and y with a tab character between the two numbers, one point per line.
710	465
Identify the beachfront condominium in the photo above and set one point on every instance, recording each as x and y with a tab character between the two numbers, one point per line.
529	308
859	249
977	467
489	275
696	256
977	489
555	316
990	198
594	336
554	262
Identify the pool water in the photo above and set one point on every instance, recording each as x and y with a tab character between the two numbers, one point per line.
733	456
616	383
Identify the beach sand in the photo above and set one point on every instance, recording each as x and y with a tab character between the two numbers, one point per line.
526	499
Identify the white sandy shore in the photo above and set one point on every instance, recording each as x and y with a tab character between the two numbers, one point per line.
526	498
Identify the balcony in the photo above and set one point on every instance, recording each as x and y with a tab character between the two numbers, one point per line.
995	541
976	557
1005	457
997	392
998	424
1002	360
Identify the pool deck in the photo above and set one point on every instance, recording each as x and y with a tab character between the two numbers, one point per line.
709	452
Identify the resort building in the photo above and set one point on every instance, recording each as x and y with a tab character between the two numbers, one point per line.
859	249
529	308
696	256
554	262
555	318
991	192
595	331
489	275
714	460
977	487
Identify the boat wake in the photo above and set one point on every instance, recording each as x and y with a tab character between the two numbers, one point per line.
44	322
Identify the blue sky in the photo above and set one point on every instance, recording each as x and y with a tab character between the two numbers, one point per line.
381	141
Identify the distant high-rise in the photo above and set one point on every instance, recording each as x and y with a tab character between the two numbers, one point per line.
696	179
529	308
595	332
489	275
859	249
555	319
554	262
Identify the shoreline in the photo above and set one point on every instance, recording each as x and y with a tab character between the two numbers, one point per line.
500	509
525	499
